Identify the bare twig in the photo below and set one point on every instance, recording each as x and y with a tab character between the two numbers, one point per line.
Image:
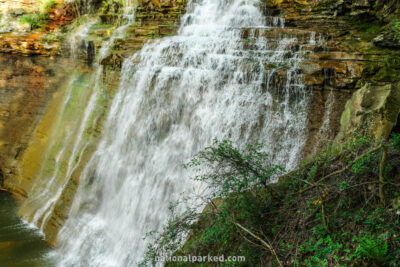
337	206
360	184
344	169
381	175
263	242
251	242
310	216
324	220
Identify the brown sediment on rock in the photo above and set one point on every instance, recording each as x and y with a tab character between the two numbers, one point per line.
346	67
34	41
153	19
355	52
26	85
32	162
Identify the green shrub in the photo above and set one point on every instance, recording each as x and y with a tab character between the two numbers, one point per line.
335	222
233	170
35	20
396	25
396	140
372	248
362	166
396	28
240	176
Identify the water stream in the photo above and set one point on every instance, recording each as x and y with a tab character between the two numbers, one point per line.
216	79
21	244
83	101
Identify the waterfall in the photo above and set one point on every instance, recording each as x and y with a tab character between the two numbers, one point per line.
77	39
67	133
222	77
74	114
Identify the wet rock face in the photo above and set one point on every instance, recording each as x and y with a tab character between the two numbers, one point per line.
29	44
344	64
32	88
359	57
25	87
27	28
324	118
387	40
153	19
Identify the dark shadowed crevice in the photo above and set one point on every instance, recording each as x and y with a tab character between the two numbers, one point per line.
1	178
396	128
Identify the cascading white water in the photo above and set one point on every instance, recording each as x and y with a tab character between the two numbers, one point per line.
68	138
325	133
77	39
213	80
71	132
63	157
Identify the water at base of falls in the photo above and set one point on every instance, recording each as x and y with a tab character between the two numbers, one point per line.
215	79
20	244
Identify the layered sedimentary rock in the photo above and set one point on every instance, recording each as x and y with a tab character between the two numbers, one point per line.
26	85
371	111
153	19
60	143
348	59
360	50
33	27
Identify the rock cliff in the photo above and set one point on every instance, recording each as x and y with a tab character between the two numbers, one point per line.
26	87
351	69
37	119
361	51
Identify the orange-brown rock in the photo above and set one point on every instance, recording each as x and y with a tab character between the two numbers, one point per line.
34	42
26	84
32	164
354	53
333	70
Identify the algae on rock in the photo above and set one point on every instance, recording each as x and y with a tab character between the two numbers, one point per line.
371	111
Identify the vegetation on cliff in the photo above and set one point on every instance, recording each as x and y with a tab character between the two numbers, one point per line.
350	217
39	18
341	208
